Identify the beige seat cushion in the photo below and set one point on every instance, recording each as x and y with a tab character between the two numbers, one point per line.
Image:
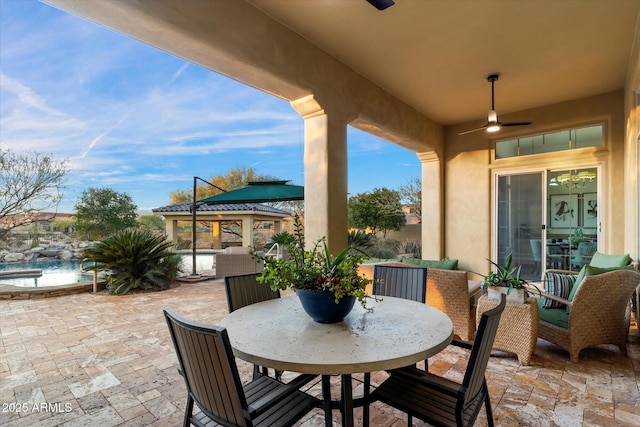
238	250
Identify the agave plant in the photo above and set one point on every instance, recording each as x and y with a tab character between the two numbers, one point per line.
504	276
135	259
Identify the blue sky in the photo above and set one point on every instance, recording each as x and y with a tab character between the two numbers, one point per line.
138	120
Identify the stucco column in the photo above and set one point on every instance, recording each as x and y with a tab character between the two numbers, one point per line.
171	228
325	174
216	235
432	206
247	231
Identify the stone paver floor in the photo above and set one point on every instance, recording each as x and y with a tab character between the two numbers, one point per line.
100	360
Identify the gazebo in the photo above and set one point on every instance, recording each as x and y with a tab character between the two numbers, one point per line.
247	213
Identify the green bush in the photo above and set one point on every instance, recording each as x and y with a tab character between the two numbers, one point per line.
379	252
135	259
283	239
392	244
360	239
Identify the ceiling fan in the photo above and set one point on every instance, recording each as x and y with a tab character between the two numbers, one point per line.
381	4
493	124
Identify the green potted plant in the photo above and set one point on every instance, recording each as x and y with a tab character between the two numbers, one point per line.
506	280
323	282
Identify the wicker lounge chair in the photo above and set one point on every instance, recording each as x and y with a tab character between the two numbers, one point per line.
448	291
440	401
213	383
235	261
598	314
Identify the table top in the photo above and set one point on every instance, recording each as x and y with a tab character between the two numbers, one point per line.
279	334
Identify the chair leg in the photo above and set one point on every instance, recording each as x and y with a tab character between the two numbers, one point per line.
487	407
256	372
188	411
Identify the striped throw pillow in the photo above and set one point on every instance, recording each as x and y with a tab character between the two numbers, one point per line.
558	284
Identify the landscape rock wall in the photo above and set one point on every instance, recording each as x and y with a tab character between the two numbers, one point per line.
63	251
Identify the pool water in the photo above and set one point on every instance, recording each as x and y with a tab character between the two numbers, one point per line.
59	273
54	273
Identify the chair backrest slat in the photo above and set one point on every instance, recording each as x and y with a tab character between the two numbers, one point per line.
210	372
245	289
481	350
402	282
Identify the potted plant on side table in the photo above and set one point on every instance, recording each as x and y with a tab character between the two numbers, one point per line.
505	280
327	286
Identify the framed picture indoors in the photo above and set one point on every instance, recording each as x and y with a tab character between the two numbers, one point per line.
590	210
564	211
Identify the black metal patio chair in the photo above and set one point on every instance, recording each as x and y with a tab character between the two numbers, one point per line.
440	401
213	382
243	290
401	282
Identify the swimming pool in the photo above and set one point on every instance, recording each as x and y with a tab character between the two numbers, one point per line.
54	273
59	273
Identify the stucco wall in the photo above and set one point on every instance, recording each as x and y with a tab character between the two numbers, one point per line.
469	172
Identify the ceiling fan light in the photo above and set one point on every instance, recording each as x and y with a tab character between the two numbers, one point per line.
493	127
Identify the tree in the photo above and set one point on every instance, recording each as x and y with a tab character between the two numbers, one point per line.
411	195
151	222
101	212
234	179
379	210
31	185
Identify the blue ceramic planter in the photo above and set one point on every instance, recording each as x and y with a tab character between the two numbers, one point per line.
321	305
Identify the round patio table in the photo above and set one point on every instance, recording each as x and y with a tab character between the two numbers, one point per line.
280	335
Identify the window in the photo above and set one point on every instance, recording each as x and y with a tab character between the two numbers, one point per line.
591	136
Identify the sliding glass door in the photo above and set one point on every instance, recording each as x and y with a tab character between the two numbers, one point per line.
519	222
547	219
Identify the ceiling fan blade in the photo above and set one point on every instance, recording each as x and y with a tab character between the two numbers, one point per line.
516	124
493	124
474	130
381	4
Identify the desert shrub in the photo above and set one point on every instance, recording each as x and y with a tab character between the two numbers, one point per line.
135	259
411	247
379	252
360	239
392	244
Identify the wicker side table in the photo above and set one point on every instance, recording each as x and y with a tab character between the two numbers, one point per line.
518	327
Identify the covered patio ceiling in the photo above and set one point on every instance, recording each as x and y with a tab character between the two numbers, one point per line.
432	55
436	55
